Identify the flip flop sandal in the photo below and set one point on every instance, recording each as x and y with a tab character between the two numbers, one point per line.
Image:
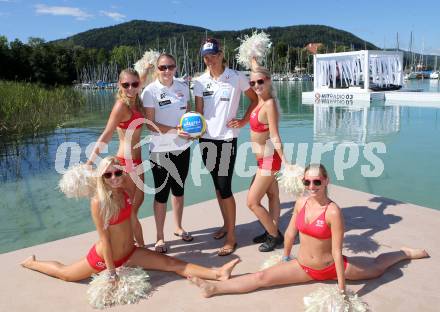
185	236
226	251
160	248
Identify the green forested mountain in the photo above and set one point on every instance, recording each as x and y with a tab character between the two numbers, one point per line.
99	54
132	33
159	34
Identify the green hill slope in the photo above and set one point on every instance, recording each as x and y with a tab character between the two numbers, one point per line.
158	35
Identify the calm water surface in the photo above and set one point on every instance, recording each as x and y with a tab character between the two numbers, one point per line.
32	210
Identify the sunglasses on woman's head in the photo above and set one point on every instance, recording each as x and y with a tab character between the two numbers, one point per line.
258	81
117	174
127	85
165	67
316	182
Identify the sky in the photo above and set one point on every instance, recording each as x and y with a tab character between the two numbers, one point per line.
375	21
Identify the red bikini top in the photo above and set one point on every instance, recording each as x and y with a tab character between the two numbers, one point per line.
318	228
134	115
124	213
255	124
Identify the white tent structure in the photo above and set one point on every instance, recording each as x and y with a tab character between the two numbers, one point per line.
381	68
348	77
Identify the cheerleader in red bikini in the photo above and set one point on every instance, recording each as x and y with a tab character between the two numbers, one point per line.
266	144
127	119
112	211
320	225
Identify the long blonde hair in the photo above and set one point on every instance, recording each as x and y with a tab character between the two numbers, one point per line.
120	96
108	206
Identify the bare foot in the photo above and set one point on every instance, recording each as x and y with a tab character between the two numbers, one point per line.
28	261
415	253
225	271
206	287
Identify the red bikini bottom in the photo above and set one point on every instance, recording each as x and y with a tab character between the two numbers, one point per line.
129	164
328	273
272	162
98	263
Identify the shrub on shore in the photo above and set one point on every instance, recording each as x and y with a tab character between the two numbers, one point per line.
28	109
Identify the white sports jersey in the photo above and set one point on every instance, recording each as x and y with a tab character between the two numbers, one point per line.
221	99
169	105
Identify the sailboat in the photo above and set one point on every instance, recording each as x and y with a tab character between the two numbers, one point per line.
435	74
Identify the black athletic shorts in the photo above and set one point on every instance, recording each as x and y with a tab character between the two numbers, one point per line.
170	170
219	158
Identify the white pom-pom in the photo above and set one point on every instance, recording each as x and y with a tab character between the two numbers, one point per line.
132	286
255	46
330	298
149	58
274	259
290	179
78	181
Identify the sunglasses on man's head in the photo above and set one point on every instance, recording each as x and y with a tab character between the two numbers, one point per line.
117	174
258	81
165	67
127	85
316	182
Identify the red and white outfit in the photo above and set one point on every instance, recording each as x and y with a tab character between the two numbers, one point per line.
318	229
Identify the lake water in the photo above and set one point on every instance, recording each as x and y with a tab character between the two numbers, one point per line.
32	210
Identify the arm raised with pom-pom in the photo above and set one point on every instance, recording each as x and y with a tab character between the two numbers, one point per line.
145	66
252	49
240	123
250	93
254	63
146	76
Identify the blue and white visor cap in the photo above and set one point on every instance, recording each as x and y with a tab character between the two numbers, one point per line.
210	46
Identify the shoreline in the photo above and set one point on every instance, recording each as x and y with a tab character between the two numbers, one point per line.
373	224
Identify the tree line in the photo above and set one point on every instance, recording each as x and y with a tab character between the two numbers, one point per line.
52	64
99	54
